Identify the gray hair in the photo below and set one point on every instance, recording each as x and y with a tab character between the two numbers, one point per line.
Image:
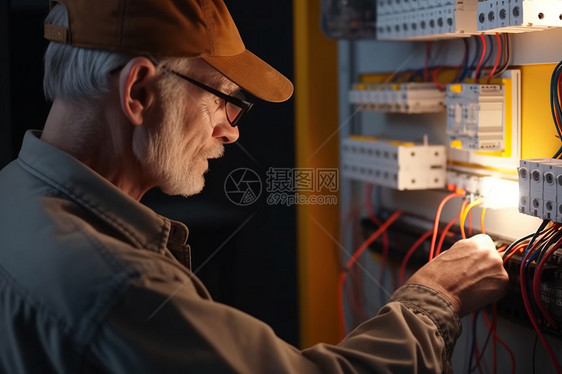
78	74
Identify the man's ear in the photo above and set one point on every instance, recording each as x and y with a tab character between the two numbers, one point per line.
137	89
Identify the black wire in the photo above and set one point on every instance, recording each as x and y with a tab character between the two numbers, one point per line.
545	242
551	240
555	108
535	351
530	245
510	247
558	152
479	359
473	345
506	54
460	77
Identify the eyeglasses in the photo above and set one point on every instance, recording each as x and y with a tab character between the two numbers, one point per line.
235	107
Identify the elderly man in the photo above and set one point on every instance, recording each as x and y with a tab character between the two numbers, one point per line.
144	93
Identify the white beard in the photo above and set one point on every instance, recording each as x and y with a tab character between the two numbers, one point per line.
163	155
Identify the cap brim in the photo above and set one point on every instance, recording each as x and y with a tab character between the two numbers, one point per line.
253	75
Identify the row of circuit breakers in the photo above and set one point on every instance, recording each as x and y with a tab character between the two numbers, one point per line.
395	164
418	19
475	112
540	188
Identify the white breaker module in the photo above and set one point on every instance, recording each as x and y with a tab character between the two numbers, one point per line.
395	164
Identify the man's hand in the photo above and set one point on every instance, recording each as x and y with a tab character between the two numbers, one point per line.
470	274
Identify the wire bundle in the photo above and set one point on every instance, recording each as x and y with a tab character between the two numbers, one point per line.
483	51
477	354
535	250
555	102
435	246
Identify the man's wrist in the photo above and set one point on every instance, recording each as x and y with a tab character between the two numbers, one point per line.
433	304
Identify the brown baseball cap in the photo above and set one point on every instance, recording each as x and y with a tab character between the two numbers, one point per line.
171	28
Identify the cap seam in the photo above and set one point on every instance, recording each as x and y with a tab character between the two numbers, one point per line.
210	27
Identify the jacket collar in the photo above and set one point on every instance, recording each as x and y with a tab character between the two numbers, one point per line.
140	225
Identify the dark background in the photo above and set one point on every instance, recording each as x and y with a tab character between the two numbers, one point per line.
254	266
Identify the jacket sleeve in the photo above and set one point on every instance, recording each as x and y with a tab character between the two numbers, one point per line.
166	327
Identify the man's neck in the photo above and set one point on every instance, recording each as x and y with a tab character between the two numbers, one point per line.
102	141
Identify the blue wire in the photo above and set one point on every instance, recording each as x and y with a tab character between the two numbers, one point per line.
491	49
474	63
531	299
532	241
462	73
530	259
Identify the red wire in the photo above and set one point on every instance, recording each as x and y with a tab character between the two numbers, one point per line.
514	250
477	71
480	354
356	294
356	300
537	284
376	221
437	217
503	343
353	260
444	234
532	316
558	119
410	252
498	57
439	85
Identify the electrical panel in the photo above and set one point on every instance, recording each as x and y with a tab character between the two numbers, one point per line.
410	97
395	164
481	127
475	116
540	188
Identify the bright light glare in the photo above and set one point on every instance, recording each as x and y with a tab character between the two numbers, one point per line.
500	193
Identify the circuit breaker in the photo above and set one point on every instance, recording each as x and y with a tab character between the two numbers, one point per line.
395	164
419	19
410	97
518	15
475	116
540	188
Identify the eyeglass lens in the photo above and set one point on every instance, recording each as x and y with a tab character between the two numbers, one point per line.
232	112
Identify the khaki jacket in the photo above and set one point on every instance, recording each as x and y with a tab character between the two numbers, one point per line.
88	283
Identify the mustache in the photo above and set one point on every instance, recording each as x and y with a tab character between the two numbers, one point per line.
216	152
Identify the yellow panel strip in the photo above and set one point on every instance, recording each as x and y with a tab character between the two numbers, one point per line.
316	103
538	135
